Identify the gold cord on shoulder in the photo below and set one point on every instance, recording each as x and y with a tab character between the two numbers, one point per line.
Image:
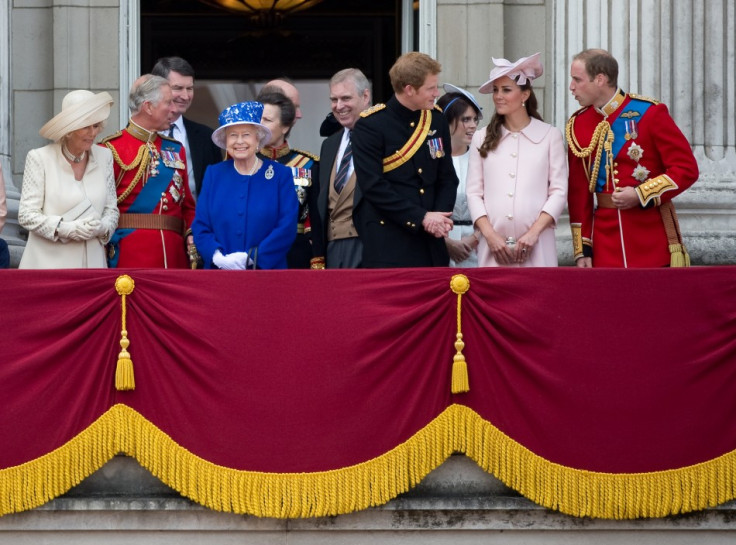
602	139
142	159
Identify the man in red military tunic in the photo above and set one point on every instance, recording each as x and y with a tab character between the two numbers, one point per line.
627	152
156	207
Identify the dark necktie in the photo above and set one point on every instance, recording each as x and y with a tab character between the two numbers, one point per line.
171	130
342	173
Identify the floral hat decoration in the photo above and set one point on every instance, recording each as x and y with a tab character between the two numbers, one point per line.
521	71
242	113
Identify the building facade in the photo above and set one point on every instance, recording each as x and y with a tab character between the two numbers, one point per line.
680	52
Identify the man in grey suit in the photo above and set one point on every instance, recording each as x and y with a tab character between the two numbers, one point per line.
197	138
350	94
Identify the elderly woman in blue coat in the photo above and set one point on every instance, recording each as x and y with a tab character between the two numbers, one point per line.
247	210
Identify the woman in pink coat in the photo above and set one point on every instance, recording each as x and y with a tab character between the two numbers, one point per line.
517	173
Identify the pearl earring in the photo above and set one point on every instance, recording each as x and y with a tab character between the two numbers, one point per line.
523	104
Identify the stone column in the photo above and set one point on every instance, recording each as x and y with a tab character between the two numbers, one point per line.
682	53
56	47
10	231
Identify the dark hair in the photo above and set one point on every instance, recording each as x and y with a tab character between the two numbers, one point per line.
454	105
493	132
168	64
599	61
270	94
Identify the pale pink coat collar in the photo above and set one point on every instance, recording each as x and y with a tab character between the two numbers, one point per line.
534	131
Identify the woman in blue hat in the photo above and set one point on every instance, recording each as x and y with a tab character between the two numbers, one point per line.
247	210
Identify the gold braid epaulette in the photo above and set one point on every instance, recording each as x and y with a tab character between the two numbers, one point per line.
307	154
645	99
602	138
141	161
373	109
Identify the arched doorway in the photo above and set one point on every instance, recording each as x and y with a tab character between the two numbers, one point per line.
233	55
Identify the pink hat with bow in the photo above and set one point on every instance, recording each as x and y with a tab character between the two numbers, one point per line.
521	71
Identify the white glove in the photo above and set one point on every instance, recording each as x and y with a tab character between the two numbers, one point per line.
98	229
230	262
74	230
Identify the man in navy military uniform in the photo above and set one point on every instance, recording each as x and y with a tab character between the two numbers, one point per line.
279	115
401	152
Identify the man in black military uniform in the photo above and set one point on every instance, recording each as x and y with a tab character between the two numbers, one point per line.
401	153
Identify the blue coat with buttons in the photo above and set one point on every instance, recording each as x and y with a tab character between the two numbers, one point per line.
240	213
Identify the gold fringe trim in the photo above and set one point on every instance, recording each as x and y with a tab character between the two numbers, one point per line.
372	483
38	481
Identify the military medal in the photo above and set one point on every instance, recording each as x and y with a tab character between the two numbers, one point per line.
175	189
172	159
302	176
301	194
174	192
153	165
269	172
436	148
631	130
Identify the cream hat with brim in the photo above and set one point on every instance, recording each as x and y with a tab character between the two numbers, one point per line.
521	71
79	109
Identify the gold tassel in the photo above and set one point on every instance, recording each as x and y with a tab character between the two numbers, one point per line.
678	253
459	284
679	256
124	376
460	382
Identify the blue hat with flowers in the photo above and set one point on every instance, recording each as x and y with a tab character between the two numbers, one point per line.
242	113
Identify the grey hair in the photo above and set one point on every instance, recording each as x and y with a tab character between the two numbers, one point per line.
146	89
356	76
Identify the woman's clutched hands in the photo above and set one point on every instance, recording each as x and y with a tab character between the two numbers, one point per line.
524	246
500	250
235	261
78	230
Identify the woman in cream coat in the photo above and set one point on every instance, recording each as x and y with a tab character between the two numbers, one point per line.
517	173
68	202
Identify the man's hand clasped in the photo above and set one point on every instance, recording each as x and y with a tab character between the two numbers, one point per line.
437	224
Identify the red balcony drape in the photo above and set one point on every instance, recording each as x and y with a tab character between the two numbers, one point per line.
303	393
